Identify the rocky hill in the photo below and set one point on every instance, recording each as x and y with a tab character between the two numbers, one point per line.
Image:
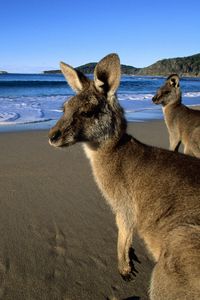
89	69
184	66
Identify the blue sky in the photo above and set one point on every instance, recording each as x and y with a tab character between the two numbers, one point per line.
37	34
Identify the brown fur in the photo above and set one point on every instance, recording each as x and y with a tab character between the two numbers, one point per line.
182	122
150	190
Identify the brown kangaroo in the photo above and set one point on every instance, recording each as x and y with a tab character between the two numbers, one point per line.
152	191
182	122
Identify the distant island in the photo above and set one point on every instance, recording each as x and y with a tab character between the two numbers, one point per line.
3	72
184	66
89	69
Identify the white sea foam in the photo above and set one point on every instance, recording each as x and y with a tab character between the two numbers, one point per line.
143	96
8	117
134	97
35	109
191	94
24	110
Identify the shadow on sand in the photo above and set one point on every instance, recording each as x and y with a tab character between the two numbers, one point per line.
132	298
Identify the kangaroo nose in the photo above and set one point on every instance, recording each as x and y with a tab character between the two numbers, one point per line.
55	135
154	98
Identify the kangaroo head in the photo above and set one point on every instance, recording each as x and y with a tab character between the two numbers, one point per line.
169	93
93	114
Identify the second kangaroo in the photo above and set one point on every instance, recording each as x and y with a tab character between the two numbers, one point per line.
182	122
151	191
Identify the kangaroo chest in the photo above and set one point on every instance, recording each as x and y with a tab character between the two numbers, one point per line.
109	178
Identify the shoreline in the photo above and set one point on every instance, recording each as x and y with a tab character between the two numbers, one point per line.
17	128
46	125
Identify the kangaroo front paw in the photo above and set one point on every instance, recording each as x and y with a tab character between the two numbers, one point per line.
128	273
128	277
128	270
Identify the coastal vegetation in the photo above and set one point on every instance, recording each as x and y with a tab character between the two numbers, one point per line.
184	66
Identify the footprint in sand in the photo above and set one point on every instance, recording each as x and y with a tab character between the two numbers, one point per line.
98	262
57	244
60	242
4	269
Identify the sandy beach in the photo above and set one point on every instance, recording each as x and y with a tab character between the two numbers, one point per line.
58	236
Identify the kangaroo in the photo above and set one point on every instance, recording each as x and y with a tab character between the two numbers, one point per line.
151	191
182	122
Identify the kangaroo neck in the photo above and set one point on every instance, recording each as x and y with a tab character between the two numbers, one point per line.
107	147
172	109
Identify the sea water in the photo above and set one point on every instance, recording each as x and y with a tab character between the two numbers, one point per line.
34	101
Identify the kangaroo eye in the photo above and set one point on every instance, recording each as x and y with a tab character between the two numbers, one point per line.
166	93
87	114
91	113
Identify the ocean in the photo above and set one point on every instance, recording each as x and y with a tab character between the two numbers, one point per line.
34	101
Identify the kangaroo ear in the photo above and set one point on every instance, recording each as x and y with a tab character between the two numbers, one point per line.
107	74
173	80
77	80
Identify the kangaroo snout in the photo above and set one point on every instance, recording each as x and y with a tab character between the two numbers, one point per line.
54	135
155	99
